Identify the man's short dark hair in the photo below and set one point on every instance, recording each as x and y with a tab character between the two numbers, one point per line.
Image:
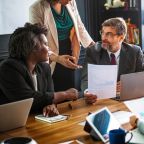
23	40
117	23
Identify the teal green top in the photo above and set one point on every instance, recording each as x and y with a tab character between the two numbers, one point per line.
63	22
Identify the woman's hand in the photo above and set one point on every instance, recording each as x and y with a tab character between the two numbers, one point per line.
50	110
90	98
70	94
68	61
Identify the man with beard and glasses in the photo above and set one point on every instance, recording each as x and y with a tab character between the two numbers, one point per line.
113	50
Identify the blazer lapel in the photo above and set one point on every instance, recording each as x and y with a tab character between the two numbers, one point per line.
30	80
104	58
71	11
39	82
49	19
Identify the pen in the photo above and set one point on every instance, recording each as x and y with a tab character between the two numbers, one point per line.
68	115
70	106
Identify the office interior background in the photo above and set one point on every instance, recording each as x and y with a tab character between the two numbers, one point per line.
93	13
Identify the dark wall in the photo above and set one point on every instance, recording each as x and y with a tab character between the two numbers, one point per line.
87	10
81	8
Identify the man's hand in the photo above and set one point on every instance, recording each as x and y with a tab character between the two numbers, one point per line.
90	98
91	44
50	110
68	61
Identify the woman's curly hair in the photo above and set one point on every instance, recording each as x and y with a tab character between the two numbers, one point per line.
23	40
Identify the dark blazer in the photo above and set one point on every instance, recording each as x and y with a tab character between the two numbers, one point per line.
16	83
131	60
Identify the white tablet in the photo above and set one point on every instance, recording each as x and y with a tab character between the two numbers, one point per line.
102	121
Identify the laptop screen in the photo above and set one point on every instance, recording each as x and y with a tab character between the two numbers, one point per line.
14	114
132	86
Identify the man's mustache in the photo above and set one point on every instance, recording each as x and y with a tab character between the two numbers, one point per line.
105	42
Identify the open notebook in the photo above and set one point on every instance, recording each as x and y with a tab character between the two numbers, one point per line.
52	119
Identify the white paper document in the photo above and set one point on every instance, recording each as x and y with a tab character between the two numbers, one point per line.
102	80
136	106
123	116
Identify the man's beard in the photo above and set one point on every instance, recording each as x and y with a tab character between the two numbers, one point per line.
107	46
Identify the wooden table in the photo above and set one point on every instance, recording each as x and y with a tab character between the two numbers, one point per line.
45	133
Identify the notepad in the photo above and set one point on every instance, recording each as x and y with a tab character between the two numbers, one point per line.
52	119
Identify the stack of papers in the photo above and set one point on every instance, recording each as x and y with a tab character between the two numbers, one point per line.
122	116
136	106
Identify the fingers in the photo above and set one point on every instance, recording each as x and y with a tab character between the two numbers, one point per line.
72	62
72	65
69	61
50	110
90	98
70	58
72	94
72	90
92	44
118	87
88	101
133	121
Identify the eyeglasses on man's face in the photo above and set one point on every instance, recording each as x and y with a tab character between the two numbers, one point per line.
108	34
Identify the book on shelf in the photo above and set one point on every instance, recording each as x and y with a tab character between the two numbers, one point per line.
132	3
132	36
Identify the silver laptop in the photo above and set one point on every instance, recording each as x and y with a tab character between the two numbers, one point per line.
15	114
132	86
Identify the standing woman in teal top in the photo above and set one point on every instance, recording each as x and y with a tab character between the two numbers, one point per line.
63	77
65	33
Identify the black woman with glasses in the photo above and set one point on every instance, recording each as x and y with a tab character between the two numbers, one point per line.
113	50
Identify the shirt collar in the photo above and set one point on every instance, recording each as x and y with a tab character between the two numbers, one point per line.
116	53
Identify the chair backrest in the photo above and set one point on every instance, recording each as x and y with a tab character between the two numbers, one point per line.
4	40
